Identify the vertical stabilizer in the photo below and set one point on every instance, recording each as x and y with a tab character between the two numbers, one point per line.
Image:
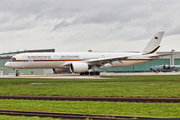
154	43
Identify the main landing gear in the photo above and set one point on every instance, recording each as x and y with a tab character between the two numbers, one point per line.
90	73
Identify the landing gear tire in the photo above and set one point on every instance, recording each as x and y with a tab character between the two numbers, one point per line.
81	73
17	74
92	73
86	73
97	73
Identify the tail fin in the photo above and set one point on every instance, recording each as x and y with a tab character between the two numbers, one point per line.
154	44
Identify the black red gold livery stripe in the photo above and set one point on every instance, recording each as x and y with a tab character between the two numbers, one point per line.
73	60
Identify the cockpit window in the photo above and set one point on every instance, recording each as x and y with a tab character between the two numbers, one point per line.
13	58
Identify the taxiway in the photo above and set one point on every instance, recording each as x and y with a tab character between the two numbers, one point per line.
77	76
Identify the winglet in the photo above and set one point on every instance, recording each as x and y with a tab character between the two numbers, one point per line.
154	43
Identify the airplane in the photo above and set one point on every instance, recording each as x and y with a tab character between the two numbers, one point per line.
85	63
165	68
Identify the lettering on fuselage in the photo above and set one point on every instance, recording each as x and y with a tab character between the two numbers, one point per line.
39	57
55	57
69	57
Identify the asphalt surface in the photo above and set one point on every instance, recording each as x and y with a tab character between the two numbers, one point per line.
77	76
109	99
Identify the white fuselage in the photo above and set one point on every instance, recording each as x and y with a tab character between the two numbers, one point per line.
57	60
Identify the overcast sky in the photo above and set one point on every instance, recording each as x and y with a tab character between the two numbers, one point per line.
80	25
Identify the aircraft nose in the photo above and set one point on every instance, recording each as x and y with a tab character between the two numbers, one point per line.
7	64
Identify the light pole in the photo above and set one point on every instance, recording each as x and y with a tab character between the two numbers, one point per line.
172	57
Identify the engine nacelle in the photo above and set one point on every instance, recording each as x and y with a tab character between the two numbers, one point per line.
60	70
79	67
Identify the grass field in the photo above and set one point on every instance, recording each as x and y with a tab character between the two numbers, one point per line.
6	117
122	86
167	110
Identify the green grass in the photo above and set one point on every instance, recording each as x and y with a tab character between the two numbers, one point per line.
6	117
167	110
121	86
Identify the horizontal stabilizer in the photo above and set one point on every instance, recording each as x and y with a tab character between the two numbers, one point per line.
159	56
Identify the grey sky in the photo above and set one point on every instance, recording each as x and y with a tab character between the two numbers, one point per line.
80	25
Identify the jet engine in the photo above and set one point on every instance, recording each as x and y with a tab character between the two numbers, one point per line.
79	67
60	70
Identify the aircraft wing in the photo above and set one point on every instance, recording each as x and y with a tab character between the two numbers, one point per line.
102	61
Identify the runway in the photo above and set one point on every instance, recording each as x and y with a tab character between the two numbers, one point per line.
140	73
77	76
59	76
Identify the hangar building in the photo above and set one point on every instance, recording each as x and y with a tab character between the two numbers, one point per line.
173	59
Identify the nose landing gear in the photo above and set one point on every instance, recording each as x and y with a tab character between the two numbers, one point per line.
17	74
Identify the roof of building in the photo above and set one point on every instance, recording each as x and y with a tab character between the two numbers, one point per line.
10	54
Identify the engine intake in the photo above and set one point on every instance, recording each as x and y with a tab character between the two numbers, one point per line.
79	67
